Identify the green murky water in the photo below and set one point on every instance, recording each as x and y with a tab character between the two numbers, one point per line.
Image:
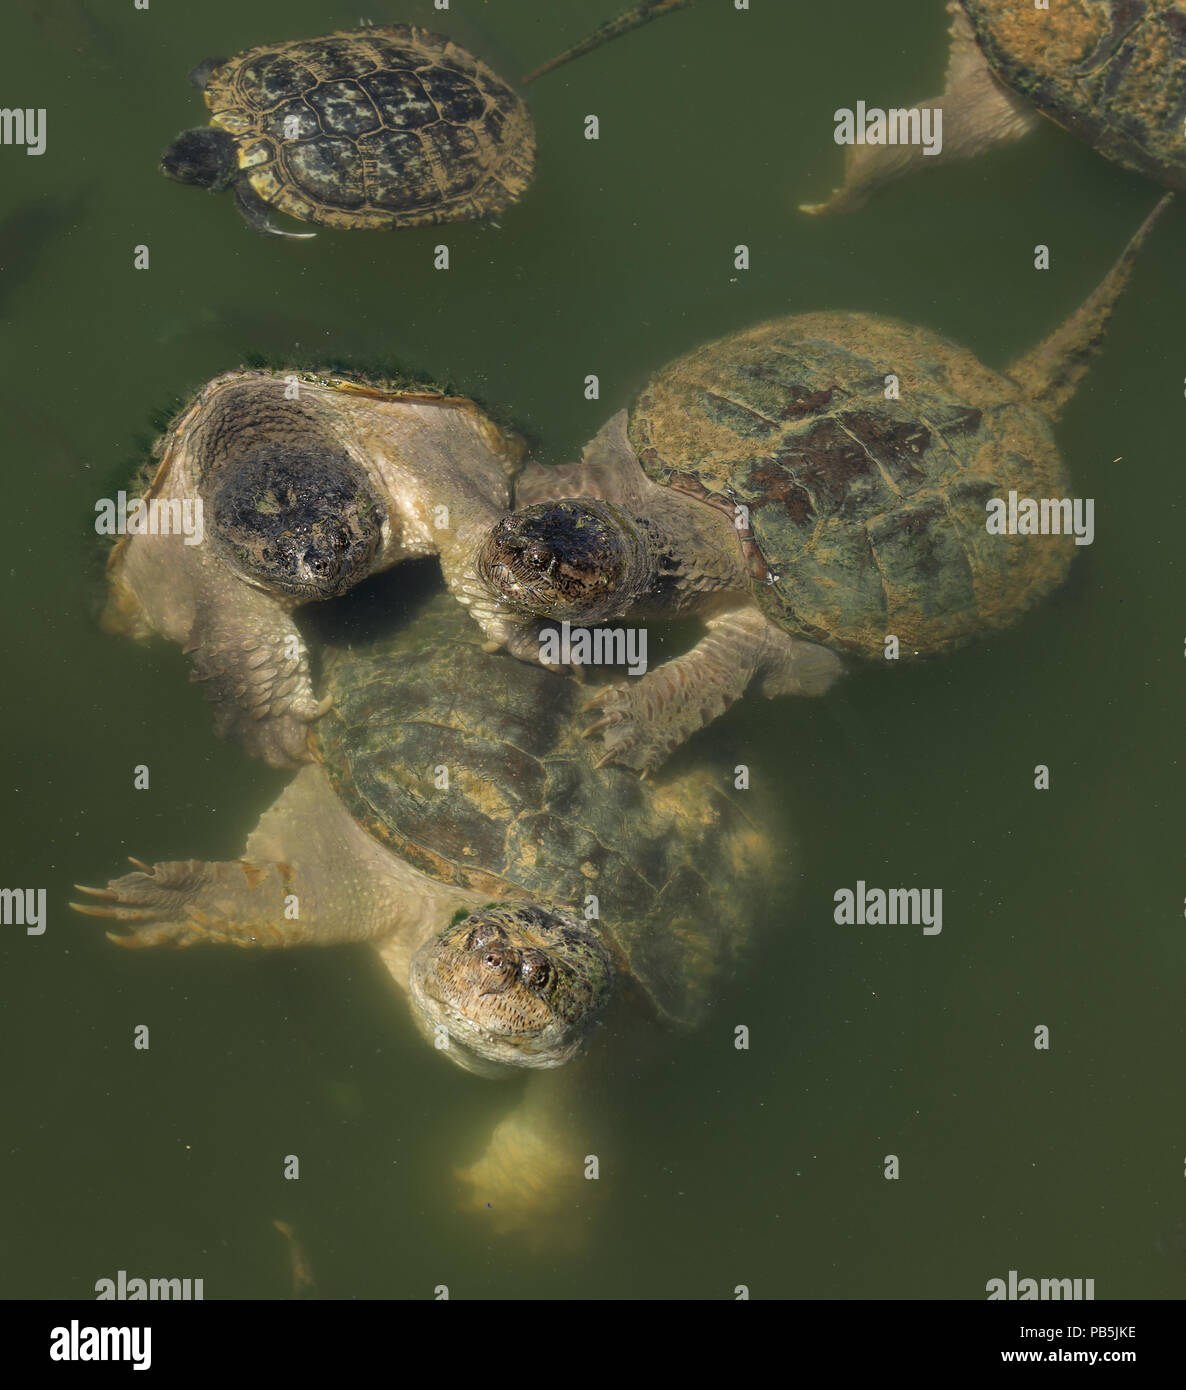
1061	908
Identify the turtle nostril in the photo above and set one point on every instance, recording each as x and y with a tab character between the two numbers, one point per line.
495	960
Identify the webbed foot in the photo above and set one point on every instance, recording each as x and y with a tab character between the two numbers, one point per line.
630	728
186	902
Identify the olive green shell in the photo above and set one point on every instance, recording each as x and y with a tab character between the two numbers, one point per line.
678	867
1112	72
395	126
867	514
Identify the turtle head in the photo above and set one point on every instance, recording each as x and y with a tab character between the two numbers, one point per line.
302	521
573	560
207	157
512	987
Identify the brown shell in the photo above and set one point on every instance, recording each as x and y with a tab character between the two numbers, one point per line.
867	512
1112	72
680	866
375	127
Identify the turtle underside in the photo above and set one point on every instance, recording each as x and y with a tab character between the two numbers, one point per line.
1112	72
677	867
868	513
375	127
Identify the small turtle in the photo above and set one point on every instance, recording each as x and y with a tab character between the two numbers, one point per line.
373	127
1112	72
304	484
474	888
809	487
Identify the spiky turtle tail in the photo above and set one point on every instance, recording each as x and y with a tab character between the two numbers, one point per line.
1050	372
635	18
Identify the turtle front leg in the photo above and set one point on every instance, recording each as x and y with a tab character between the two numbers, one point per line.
309	875
646	719
255	669
189	902
257	216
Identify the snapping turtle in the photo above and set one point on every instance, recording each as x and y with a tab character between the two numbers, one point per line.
454	821
307	484
374	127
1112	72
810	487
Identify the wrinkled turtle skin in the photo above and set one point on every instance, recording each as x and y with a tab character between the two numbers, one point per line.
678	866
396	126
867	514
1112	72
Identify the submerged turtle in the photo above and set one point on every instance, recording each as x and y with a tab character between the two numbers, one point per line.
375	127
474	887
810	487
302	485
1112	72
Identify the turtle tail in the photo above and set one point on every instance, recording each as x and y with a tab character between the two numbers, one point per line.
635	18
1049	373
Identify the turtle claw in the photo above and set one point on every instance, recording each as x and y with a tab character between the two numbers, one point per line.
255	213
93	893
118	912
627	728
87	910
126	941
152	902
600	698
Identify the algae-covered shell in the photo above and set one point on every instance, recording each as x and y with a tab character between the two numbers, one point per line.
678	867
1112	72
375	127
864	452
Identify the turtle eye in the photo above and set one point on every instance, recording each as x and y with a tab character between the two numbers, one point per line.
539	557
535	971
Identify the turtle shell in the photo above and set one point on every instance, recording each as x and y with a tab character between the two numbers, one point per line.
1112	72
374	127
679	868
866	515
